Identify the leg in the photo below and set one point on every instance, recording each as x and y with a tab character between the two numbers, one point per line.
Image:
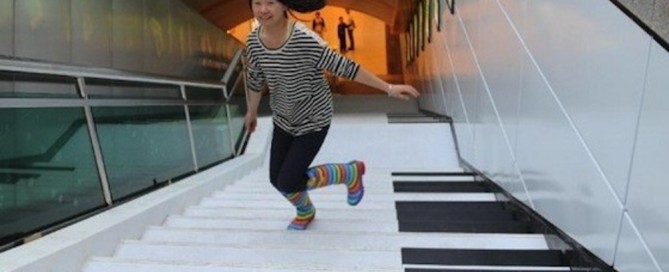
339	173
281	142
342	44
351	41
292	178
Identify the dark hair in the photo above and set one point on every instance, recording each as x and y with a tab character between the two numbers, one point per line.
302	6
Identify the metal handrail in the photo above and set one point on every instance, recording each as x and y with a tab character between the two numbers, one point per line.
81	73
38	67
236	60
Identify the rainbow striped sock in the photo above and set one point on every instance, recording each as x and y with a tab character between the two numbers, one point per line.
306	212
338	173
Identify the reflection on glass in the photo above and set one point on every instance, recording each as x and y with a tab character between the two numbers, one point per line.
211	134
436	8
421	22
47	169
237	110
416	36
427	19
143	147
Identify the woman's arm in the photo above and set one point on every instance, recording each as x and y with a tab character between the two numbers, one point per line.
251	117
401	91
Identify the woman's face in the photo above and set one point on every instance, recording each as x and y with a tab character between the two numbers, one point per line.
268	12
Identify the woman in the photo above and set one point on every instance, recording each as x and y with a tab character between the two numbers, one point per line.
290	59
318	24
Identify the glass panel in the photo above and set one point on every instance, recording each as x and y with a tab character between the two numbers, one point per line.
20	85
237	111
210	134
234	85
143	147
193	93
47	169
104	88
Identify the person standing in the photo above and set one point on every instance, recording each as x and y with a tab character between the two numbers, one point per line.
318	24
341	34
290	60
350	23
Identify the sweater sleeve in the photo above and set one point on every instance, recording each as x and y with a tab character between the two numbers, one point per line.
255	78
337	64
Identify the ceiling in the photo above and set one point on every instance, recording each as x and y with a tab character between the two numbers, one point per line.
227	14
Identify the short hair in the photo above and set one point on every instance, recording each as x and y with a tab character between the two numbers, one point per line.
302	6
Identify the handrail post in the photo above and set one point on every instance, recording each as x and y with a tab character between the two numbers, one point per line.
92	132
228	73
191	139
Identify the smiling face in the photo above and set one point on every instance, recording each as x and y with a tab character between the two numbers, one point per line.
269	12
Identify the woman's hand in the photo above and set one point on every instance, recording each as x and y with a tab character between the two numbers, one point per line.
402	91
250	122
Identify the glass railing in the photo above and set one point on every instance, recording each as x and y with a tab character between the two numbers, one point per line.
75	140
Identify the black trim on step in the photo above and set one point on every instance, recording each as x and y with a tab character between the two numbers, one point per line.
479	270
432	174
484	257
440	187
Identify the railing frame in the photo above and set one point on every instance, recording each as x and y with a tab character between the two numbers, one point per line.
81	74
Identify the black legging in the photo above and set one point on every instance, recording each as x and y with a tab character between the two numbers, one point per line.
291	157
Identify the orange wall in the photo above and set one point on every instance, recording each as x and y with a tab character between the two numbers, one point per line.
370	36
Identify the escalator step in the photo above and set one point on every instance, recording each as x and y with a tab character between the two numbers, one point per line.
545	258
440	187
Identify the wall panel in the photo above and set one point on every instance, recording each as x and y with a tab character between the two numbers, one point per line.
7	27
92	33
561	84
127	35
647	200
633	255
40	23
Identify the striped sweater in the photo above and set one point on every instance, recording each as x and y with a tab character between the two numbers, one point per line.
300	96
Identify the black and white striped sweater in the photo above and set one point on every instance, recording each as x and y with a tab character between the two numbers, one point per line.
300	97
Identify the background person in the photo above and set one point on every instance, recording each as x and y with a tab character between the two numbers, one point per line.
341	34
350	23
318	24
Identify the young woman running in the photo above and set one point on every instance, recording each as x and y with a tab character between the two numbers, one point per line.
290	60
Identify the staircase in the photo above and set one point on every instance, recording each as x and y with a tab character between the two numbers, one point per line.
413	218
396	227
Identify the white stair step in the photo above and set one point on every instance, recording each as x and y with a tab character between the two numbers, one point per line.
328	190
283	213
104	264
318	224
380	186
342	240
369	202
378	179
317	196
332	204
275	258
